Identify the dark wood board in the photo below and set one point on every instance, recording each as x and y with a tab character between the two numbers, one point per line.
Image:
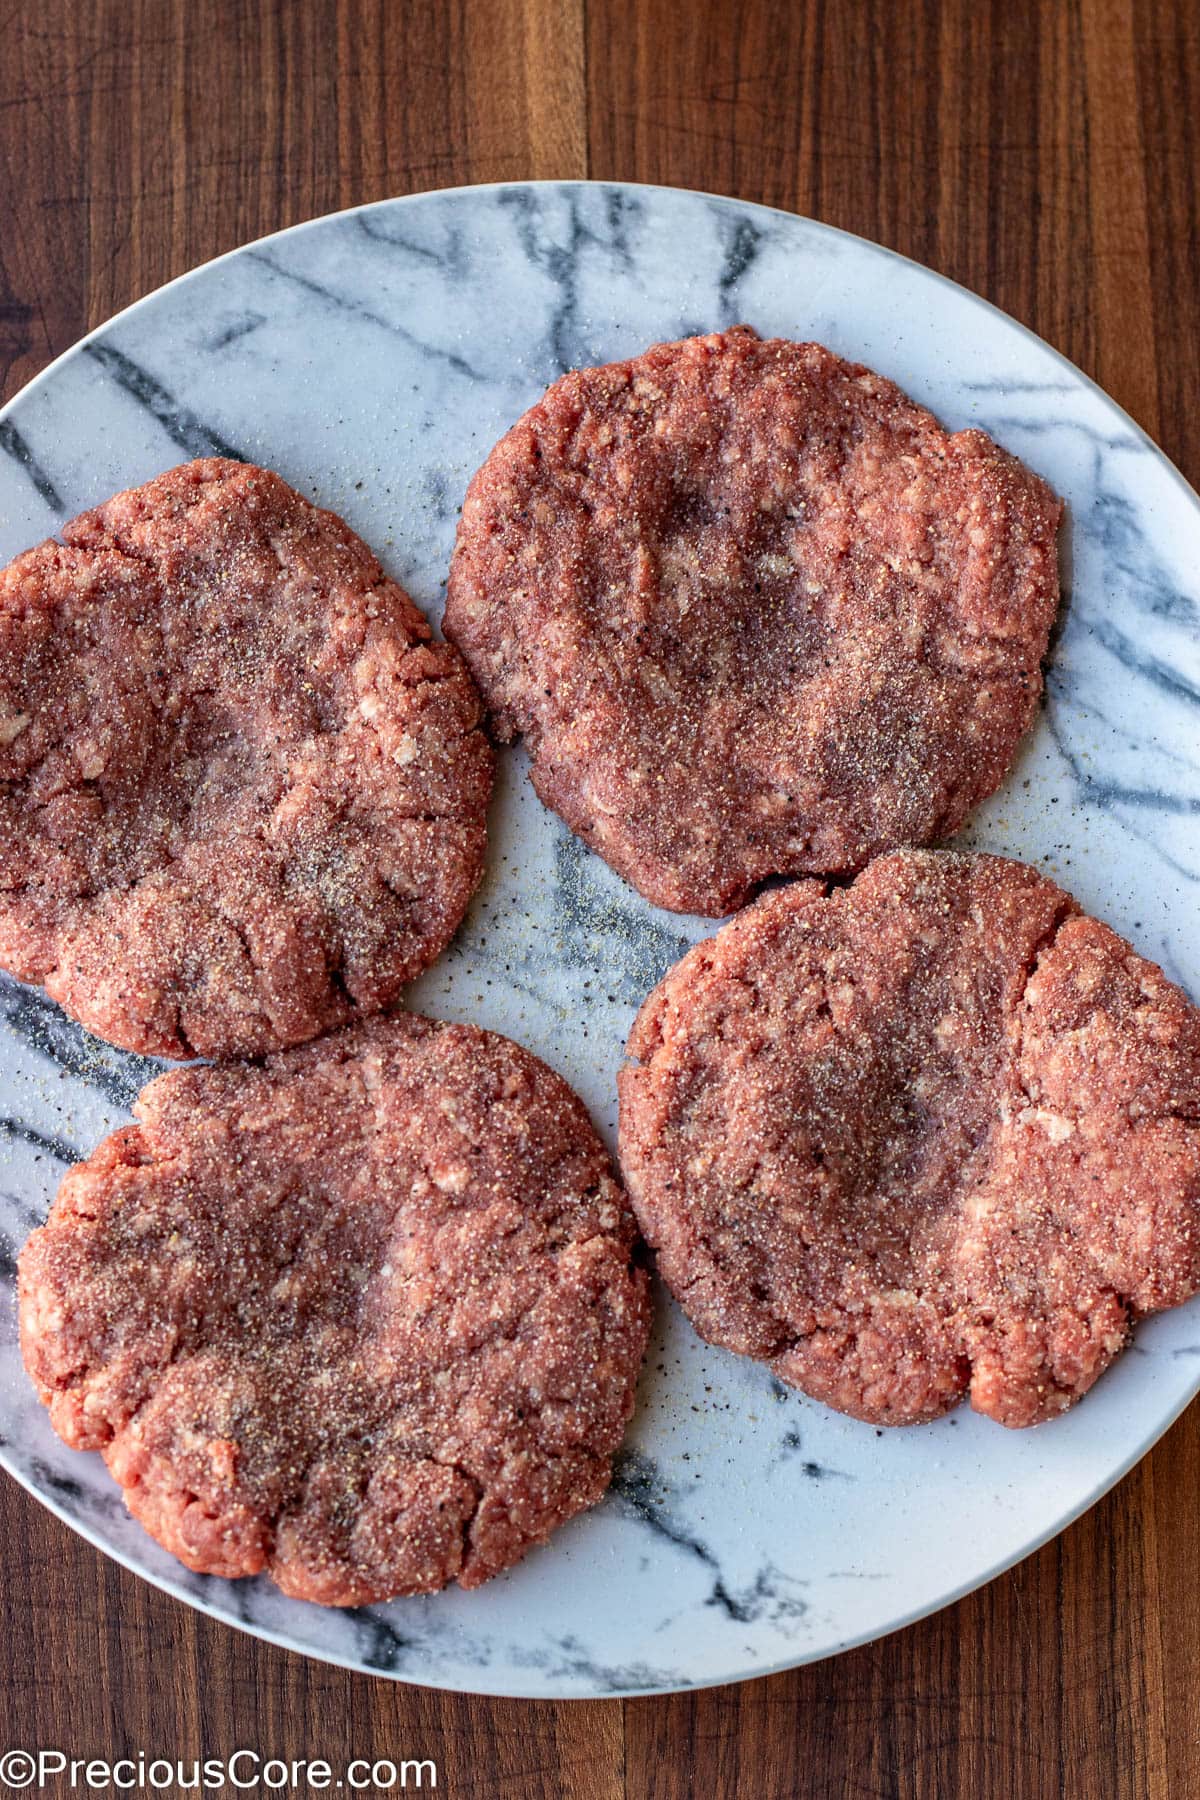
1048	156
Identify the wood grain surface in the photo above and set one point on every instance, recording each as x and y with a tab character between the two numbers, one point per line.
1047	155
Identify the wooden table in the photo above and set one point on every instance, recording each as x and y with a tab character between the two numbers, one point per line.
1046	155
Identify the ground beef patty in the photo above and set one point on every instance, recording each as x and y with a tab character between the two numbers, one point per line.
364	1317
931	1134
242	792
754	611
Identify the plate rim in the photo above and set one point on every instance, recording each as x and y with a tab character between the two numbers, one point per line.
551	1689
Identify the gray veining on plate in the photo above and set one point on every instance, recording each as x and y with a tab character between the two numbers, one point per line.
373	358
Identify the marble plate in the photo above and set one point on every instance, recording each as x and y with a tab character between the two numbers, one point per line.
373	358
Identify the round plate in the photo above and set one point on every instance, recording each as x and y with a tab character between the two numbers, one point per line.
373	358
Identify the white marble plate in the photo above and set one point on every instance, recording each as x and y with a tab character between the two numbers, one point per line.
373	358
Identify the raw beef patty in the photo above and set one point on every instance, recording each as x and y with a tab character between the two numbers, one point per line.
754	612
363	1317
933	1134
242	792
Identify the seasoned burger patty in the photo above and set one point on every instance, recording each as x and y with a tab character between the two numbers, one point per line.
933	1134
363	1317
754	611
242	792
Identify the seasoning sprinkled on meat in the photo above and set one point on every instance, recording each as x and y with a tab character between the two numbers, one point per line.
754	612
242	792
933	1134
364	1317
